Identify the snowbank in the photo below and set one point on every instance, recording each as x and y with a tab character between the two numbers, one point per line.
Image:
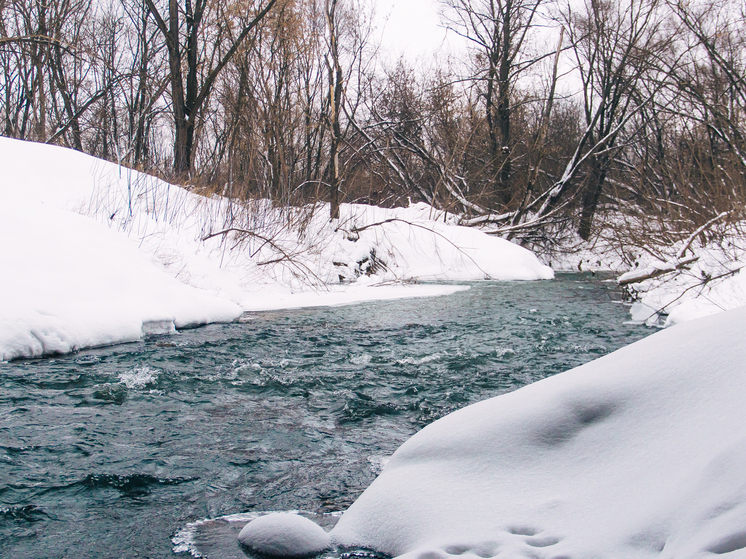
69	282
638	454
712	283
94	254
680	282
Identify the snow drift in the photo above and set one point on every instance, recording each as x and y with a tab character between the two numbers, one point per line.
69	282
638	454
93	253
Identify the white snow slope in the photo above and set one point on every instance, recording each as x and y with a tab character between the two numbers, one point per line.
93	254
639	454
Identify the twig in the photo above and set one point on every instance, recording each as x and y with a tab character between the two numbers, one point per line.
285	256
248	233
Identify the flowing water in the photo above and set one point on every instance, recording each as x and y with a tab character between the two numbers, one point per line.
115	452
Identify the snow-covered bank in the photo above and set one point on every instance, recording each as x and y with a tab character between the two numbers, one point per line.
679	282
711	283
69	282
639	454
94	254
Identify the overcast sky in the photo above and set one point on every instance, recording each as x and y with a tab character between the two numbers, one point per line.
413	29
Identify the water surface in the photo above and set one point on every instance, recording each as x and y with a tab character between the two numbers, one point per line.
111	452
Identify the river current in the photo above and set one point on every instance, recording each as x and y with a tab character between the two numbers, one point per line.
118	451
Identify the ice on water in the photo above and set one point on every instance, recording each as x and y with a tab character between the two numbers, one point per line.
218	538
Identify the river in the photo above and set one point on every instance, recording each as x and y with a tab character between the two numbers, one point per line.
115	451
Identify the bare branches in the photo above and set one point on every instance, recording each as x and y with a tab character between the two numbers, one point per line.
33	39
656	270
290	101
188	96
688	242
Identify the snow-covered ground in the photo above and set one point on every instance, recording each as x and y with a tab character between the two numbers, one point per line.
711	283
94	254
639	454
687	280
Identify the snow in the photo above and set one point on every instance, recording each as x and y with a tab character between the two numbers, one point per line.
95	254
690	279
711	284
69	282
284	535
638	454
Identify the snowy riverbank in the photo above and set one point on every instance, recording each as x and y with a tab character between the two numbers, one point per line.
94	254
670	284
638	454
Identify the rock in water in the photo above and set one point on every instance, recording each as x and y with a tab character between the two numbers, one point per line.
284	535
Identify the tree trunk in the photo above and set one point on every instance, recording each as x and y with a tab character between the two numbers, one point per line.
335	101
503	106
592	194
336	92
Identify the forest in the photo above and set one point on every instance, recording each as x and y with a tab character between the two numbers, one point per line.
561	119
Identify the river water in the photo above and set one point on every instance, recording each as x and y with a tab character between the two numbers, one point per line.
115	452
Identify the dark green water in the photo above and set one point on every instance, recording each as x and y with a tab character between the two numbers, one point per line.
111	452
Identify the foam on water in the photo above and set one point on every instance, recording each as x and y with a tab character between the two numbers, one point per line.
501	352
362	359
421	360
139	377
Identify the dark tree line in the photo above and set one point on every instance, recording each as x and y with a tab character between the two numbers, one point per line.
556	117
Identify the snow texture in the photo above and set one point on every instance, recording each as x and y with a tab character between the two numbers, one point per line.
69	282
709	285
95	254
284	535
639	454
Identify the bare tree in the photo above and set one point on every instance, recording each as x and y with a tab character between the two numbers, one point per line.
616	46
336	84
499	30
185	43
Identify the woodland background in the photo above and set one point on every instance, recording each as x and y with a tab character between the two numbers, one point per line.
560	121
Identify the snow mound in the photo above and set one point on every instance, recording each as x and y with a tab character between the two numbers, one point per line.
639	454
420	242
284	535
69	282
94	254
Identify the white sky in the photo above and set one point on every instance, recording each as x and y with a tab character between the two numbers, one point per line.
413	29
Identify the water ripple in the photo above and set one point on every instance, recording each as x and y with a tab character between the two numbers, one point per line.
285	410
